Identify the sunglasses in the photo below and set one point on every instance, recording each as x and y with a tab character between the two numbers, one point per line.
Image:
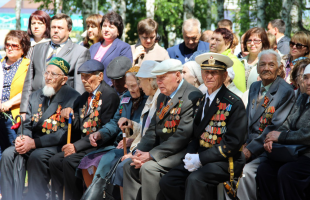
14	46
254	41
298	45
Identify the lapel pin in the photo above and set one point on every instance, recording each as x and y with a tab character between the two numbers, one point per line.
217	101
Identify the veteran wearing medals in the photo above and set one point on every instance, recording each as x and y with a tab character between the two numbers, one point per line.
220	128
270	101
92	110
44	132
165	141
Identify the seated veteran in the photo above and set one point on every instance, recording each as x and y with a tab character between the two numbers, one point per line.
44	133
289	180
269	103
220	128
116	72
131	106
170	130
92	110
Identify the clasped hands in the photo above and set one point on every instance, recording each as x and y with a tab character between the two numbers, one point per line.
140	158
24	145
192	162
271	137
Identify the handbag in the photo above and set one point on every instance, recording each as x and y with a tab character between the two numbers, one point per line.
101	188
286	152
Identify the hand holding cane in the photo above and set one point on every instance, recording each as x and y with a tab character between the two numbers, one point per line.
68	142
124	141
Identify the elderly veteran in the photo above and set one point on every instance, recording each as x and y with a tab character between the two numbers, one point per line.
219	133
269	103
170	130
116	71
289	180
44	132
92	110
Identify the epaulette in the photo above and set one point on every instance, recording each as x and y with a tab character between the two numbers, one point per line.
231	97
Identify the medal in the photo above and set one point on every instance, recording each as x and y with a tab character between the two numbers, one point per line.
223	123
211	123
62	125
84	130
164	130
43	130
214	137
48	131
96	118
169	130
94	129
177	117
217	101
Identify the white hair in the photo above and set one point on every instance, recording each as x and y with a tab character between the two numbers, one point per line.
189	24
270	51
48	91
195	70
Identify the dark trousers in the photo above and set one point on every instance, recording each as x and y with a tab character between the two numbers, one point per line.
7	135
201	184
283	180
38	172
63	174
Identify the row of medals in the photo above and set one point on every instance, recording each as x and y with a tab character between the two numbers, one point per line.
55	125
265	120
174	119
92	115
37	116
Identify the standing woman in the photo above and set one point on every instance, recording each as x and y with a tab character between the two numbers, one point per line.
94	35
38	29
255	40
14	66
111	46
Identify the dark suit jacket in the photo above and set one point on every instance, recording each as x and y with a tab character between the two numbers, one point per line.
118	48
284	45
282	97
110	102
232	140
168	148
73	53
177	51
65	97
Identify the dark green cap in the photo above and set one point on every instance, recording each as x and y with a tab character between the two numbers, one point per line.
61	63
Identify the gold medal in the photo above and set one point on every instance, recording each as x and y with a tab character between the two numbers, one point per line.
96	118
43	130
84	130
223	123
164	130
218	112
226	113
214	137
211	123
62	125
169	130
202	143
207	145
48	131
58	124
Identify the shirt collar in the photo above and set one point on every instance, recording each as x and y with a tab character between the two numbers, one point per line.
95	91
280	38
174	92
61	45
267	87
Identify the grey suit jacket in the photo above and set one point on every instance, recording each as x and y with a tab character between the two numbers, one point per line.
282	97
284	45
73	53
168	148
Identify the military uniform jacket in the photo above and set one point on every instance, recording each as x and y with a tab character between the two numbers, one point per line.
65	97
168	148
270	113
106	107
232	132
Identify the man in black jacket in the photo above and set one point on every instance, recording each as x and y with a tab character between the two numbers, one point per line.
93	110
44	130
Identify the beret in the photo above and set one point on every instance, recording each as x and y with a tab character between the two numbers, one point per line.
61	63
90	66
118	67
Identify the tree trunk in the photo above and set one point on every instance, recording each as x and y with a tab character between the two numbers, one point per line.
95	6
220	10
294	18
209	14
150	8
86	11
18	8
57	6
300	7
286	11
261	13
188	8
122	11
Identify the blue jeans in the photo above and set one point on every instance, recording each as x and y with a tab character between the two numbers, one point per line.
7	135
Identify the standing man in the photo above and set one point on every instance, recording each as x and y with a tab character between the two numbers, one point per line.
277	28
45	132
269	103
191	34
170	130
220	129
60	46
92	111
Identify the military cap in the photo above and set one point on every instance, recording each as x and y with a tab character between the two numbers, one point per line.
214	61
169	65
146	68
61	63
91	66
118	67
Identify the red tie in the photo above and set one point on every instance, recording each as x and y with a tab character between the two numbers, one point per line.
89	100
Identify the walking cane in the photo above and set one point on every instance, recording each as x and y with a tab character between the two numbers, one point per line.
68	142
124	140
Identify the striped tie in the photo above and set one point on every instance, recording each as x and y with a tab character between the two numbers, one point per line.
53	54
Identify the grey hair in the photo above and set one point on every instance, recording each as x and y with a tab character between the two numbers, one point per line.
189	24
270	51
154	83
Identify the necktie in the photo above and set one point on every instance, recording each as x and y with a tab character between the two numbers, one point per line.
207	106
260	96
167	100
53	54
89	100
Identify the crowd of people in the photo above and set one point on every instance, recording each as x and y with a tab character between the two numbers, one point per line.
172	123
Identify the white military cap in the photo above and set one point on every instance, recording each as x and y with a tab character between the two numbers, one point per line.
307	69
146	68
214	61
169	65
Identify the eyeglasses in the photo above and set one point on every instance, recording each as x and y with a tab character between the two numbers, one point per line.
52	74
13	46
39	23
254	41
298	45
